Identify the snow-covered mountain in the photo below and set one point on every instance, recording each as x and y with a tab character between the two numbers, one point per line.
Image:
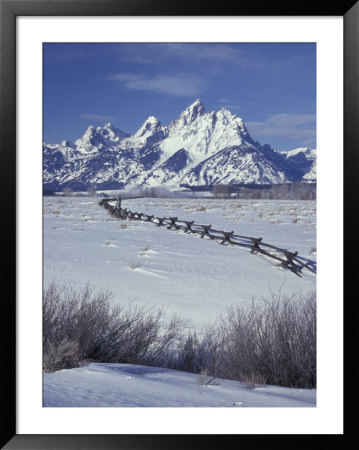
198	148
306	160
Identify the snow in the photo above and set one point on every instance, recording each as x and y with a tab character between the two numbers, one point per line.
204	134
125	385
110	133
309	153
311	176
196	278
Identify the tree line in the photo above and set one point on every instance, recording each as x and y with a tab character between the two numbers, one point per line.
286	191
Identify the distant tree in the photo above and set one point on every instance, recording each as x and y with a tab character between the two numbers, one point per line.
307	191
301	191
221	191
91	191
296	191
67	192
48	192
153	192
256	194
280	191
149	192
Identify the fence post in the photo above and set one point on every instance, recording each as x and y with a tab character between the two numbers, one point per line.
255	242
227	237
205	231
118	203
173	223
189	226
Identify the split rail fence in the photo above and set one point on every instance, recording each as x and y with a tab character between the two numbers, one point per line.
287	259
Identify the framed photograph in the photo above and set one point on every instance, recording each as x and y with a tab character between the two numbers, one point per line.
215	115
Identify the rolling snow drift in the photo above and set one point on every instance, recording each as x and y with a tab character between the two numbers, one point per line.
127	385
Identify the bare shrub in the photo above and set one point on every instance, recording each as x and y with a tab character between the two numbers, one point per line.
138	337
76	316
102	332
253	380
269	341
200	351
145	249
275	339
134	265
188	353
204	379
64	355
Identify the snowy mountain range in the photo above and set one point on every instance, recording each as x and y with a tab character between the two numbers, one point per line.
198	148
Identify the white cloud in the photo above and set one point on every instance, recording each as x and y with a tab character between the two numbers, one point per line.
225	103
97	117
214	52
148	53
285	125
179	85
291	119
231	106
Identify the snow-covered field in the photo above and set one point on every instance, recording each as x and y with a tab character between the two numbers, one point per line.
195	278
125	385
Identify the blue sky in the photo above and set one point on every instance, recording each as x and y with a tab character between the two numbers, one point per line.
271	86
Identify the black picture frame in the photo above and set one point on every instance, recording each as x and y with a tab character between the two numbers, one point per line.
9	10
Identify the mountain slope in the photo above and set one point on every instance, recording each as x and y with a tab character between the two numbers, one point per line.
195	149
305	159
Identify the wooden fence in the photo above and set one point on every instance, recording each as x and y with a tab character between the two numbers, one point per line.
287	259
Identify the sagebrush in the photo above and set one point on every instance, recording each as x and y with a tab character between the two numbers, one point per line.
275	339
103	331
269	341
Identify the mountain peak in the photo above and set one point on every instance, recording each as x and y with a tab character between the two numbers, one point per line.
111	133
149	125
197	106
151	131
90	129
91	138
227	117
228	113
90	133
191	113
67	143
153	120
